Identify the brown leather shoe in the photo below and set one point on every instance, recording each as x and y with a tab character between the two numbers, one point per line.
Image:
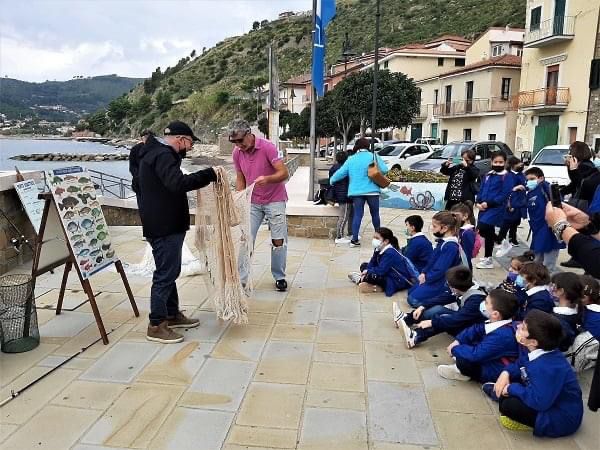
163	334
180	321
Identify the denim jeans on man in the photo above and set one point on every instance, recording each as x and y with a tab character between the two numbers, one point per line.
359	210
164	300
274	213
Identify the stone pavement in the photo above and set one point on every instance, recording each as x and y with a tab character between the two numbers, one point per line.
319	367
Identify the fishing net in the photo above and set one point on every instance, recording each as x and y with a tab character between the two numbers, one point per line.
190	264
224	240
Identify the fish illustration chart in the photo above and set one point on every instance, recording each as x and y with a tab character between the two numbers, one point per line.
83	220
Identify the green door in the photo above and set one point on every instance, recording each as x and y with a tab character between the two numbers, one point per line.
434	130
546	133
416	131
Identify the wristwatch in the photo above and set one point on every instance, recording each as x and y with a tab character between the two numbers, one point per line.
559	228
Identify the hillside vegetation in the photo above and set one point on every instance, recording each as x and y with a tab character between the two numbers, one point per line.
78	96
224	81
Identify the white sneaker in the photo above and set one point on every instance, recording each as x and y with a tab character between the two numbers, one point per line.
451	372
485	263
354	277
342	240
398	314
350	237
504	249
409	334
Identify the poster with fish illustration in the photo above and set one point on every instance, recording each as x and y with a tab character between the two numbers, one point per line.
419	196
34	207
81	214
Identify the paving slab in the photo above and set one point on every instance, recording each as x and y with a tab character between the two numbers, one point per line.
469	431
334	429
67	324
339	336
285	362
272	405
337	377
244	343
263	437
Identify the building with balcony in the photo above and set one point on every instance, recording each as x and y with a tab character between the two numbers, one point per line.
292	94
554	95
478	101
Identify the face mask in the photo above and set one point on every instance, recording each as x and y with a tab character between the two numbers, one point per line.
483	310
497	168
520	281
597	162
438	234
512	276
531	184
519	169
376	243
407	232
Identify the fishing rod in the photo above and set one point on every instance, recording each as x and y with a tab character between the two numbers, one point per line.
14	394
16	242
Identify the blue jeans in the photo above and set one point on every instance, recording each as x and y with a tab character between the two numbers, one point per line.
277	220
359	210
164	300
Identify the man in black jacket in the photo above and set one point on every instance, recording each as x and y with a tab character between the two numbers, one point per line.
165	215
134	159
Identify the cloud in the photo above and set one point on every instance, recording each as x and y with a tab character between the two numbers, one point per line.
58	39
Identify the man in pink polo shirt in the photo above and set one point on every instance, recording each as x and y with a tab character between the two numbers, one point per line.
257	161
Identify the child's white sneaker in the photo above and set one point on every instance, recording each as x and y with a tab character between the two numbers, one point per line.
485	263
409	334
504	249
342	240
398	314
451	372
354	277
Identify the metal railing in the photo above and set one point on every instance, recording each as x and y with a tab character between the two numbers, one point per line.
111	185
553	96
557	26
476	106
423	112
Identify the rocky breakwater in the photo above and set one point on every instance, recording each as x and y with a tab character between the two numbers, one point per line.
72	157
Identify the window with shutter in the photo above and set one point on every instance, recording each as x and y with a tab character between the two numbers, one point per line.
595	74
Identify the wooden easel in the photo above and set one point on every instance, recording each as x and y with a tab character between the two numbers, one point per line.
56	251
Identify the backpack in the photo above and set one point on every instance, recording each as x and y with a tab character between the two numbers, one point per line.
463	256
478	244
583	353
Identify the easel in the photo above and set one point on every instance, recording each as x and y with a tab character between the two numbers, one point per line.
56	251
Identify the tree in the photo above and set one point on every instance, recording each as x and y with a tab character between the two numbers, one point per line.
264	23
118	109
255	25
193	54
142	106
263	126
98	122
163	101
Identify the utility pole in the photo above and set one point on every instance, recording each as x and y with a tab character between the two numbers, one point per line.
375	77
313	118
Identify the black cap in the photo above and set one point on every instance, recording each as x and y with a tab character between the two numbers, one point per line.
178	128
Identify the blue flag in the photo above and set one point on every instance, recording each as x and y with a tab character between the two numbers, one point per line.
325	12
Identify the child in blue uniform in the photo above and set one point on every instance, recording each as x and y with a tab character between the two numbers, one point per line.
467	234
483	350
532	282
460	281
516	262
567	289
515	209
388	269
543	242
432	288
591	302
540	390
418	248
491	200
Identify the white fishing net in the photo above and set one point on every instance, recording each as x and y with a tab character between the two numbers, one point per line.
190	264
224	240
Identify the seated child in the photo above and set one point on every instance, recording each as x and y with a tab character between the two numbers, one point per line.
418	248
388	269
567	288
533	282
472	297
467	234
516	262
432	289
591	327
540	390
483	350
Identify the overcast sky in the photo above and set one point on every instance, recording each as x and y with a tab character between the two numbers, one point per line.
47	39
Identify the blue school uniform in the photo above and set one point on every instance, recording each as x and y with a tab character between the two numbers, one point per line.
546	382
516	204
468	314
569	320
435	290
495	189
537	297
419	250
491	345
396	270
466	237
591	320
542	238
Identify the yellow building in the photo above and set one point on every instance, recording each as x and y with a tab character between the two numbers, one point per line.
559	47
478	101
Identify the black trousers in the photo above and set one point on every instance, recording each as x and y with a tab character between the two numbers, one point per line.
515	409
487	232
509	228
371	278
472	370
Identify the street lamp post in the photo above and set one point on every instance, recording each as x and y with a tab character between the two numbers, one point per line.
375	77
347	53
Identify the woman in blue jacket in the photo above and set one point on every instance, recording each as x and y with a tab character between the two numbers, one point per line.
361	190
540	390
495	189
388	269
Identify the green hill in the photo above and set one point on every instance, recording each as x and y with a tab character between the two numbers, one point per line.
76	97
218	83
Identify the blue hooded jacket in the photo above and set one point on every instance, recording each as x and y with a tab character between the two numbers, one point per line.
356	169
542	238
419	250
495	189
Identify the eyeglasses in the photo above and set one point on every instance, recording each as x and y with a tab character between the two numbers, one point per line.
240	140
185	138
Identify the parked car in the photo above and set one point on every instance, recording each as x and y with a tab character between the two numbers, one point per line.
482	150
551	159
434	143
403	155
350	145
383	144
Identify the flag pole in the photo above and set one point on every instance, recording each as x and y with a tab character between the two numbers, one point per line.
375	79
313	117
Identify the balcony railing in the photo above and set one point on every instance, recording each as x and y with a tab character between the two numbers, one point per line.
551	98
551	30
476	106
423	112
